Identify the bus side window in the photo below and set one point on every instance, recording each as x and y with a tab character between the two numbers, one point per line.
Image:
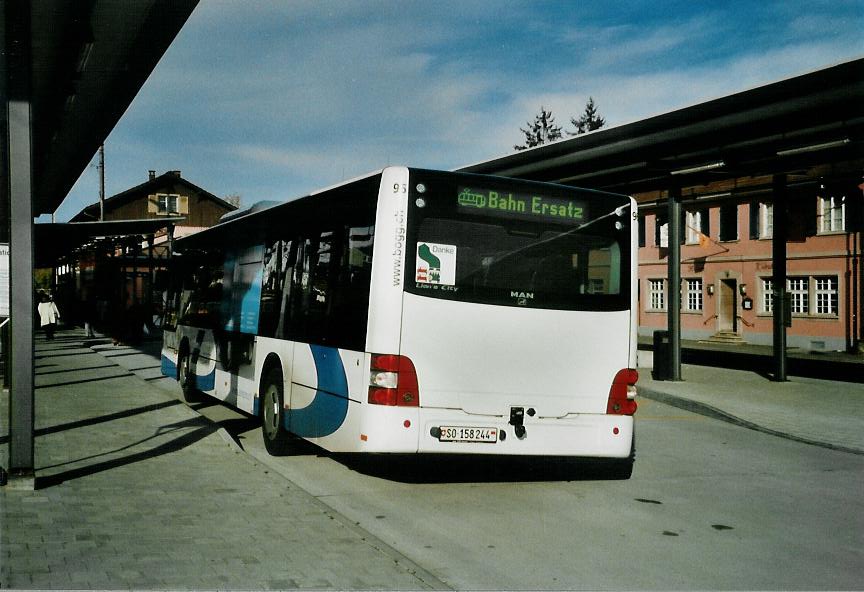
202	296
329	288
352	275
296	322
271	287
319	295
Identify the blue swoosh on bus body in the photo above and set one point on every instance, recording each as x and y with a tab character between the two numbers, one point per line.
202	383
329	407
169	368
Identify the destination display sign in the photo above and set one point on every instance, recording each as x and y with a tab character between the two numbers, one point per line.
508	204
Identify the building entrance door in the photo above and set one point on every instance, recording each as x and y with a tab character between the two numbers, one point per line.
728	314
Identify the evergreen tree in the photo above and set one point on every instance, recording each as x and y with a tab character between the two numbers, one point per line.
589	121
542	131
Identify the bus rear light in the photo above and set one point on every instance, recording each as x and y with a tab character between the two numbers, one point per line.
393	381
386	380
622	393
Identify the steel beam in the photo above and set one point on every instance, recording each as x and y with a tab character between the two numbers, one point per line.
19	169
21	403
674	288
778	256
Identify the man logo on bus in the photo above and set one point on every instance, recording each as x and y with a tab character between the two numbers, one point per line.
431	272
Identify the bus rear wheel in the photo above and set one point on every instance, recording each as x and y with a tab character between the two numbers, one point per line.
186	378
275	436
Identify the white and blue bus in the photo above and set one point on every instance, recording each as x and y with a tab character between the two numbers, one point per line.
417	311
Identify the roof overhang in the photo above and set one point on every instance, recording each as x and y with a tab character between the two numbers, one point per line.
88	60
54	241
780	128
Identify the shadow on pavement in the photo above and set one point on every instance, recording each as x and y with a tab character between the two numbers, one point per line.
807	365
203	430
431	469
69	370
83	381
105	418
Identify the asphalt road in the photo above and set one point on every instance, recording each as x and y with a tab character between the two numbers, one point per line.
710	505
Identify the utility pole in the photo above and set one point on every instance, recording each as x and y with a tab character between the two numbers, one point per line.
102	183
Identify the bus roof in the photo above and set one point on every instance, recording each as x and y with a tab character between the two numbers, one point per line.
258	215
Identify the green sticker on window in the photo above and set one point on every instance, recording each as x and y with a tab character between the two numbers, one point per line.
436	264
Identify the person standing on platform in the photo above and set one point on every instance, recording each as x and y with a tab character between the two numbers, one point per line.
49	315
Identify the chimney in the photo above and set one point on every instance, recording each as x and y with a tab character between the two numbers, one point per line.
152	174
174	173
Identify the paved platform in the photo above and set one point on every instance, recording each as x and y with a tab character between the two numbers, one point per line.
134	490
819	412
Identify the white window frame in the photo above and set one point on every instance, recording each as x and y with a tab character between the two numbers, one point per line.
826	295
694	226
693	301
656	294
766	220
165	201
766	302
809	295
832	214
799	291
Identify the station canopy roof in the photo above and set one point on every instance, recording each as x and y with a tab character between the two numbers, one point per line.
54	241
787	127
87	61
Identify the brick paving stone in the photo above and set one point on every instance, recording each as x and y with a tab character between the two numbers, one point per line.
137	491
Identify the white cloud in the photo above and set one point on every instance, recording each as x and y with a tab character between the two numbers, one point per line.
284	97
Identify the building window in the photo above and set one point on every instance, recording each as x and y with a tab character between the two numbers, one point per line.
693	300
729	222
661	231
832	214
767	300
164	204
167	203
766	220
826	295
657	294
799	294
693	226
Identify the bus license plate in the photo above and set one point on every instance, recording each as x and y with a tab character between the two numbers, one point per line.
468	434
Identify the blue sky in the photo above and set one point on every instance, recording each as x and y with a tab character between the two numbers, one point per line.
272	99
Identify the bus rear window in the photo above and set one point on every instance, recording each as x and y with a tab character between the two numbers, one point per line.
512	262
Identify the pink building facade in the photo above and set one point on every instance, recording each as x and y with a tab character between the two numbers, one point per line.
726	266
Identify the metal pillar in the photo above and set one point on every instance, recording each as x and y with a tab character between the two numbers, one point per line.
102	182
20	179
21	404
782	311
148	296
5	342
674	289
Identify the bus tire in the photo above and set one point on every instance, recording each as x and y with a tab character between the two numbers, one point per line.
186	378
276	438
